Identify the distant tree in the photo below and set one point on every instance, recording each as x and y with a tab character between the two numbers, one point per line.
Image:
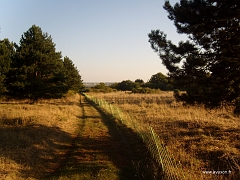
126	85
114	86
159	81
139	81
101	87
6	54
207	66
37	71
73	78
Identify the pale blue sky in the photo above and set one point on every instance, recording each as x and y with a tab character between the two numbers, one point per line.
106	39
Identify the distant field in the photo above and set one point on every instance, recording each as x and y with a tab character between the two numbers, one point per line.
203	141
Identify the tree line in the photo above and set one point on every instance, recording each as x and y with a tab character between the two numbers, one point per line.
34	70
158	82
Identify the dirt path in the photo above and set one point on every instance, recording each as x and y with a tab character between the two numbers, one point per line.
104	150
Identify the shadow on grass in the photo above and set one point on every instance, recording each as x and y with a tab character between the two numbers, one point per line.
34	148
128	153
120	154
42	152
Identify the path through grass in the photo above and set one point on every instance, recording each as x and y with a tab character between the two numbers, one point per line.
104	150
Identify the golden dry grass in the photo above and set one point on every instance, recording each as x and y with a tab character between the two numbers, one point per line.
201	140
35	138
65	139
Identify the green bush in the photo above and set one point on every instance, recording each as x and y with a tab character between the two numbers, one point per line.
145	90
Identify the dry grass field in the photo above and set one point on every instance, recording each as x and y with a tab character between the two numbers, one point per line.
68	138
35	138
205	142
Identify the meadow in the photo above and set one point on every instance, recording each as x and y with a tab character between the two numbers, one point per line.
206	142
35	138
68	138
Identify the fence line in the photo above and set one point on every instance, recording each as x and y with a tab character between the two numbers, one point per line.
160	153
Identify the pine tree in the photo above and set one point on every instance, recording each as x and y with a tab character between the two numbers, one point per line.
6	54
37	71
208	64
73	78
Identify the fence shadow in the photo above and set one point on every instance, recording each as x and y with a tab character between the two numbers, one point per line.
132	156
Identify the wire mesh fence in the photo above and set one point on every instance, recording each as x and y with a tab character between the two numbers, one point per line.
171	169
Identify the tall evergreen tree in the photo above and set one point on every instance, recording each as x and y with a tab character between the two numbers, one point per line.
207	65
37	71
6	53
73	78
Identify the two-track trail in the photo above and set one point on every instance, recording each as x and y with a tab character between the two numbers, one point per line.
104	150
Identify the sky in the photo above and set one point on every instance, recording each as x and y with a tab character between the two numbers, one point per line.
107	40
